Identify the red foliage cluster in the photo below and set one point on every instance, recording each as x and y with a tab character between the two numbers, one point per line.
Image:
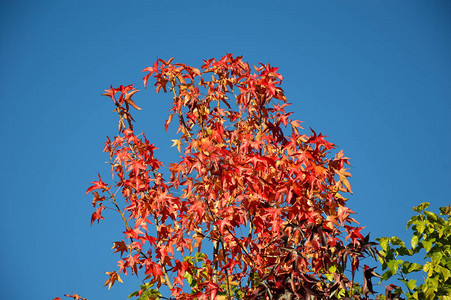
254	209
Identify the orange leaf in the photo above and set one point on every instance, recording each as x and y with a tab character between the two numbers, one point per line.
113	278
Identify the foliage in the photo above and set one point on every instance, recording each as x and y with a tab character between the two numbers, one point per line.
73	296
432	233
255	208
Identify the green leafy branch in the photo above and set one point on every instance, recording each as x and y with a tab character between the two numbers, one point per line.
432	233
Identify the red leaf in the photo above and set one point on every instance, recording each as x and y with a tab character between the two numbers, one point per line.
97	215
75	296
97	185
151	70
120	247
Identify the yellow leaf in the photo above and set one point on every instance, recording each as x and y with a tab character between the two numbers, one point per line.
177	143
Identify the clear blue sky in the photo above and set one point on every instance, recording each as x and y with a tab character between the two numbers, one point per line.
374	76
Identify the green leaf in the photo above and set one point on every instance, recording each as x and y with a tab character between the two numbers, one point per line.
341	293
414	267
414	241
421	207
431	216
188	258
153	294
200	256
393	265
436	256
381	257
193	283
412	220
427	244
404	251
387	275
448	253
189	278
411	284
446	210
445	273
433	282
390	255
420	228
428	291
239	294
442	231
384	243
405	267
397	241
428	268
332	269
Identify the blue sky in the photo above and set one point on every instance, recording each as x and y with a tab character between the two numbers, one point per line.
373	76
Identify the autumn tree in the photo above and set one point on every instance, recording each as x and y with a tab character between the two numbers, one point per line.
255	208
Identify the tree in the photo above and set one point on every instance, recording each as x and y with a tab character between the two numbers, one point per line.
431	233
255	208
